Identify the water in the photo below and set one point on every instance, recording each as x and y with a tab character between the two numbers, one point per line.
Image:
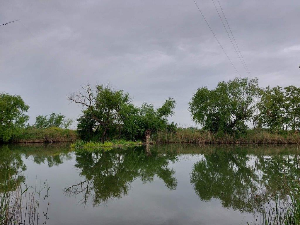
172	184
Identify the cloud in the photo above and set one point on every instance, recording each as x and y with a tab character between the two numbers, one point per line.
151	49
292	49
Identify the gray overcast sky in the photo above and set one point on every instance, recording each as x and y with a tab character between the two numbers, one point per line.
151	49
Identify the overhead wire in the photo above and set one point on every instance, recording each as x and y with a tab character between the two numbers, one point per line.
215	36
229	36
233	38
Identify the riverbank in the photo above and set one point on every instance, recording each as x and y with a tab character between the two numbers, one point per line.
180	135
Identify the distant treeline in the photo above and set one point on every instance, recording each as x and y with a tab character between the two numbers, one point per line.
14	126
233	111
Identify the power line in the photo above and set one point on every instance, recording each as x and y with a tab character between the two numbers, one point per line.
210	28
229	36
4	24
234	40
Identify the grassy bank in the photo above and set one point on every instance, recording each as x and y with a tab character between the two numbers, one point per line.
189	135
45	135
80	146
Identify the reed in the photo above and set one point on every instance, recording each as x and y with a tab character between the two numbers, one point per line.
197	136
45	135
22	205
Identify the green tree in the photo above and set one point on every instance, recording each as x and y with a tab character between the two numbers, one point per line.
110	114
225	175
139	120
53	120
11	168
228	107
103	106
108	175
131	123
87	127
12	115
247	180
272	109
292	106
153	120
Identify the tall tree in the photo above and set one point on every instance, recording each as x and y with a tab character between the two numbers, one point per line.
53	120
12	115
153	120
103	106
292	106
228	107
108	175
272	109
109	113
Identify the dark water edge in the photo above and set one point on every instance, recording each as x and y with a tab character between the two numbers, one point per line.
170	184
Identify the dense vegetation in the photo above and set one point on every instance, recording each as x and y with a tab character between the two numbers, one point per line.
12	116
237	111
237	105
13	127
109	114
53	120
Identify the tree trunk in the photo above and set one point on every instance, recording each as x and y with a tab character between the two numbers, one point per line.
148	135
103	136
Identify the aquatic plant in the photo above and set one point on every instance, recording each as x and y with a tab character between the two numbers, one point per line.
81	146
22	205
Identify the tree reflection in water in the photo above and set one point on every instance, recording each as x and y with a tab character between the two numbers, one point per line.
11	168
19	203
110	174
254	183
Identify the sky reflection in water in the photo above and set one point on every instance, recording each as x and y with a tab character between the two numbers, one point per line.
171	184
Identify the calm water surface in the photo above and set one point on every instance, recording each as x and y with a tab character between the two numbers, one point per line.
171	184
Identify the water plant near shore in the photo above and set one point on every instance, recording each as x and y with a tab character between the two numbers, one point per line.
22	205
90	146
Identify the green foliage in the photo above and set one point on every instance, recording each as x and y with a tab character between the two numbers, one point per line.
108	175
250	182
279	109
272	109
11	177
46	135
292	106
82	146
109	114
227	108
87	127
12	116
53	120
155	120
102	115
11	168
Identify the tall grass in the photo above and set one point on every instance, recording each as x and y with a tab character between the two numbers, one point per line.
196	136
45	135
